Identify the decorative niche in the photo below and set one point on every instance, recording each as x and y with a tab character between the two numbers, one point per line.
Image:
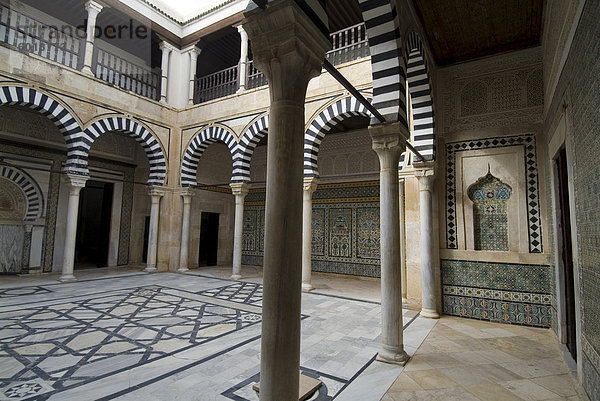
490	213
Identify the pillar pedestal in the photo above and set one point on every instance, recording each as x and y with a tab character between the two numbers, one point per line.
155	195
75	182
424	173
93	9
239	190
289	49
186	195
310	186
388	146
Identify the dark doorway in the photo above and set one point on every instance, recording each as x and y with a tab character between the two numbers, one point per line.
146	239
566	251
209	239
93	225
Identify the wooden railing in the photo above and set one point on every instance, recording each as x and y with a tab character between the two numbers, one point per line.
64	44
216	85
123	73
348	44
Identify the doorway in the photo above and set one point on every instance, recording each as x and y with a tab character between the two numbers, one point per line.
566	252
93	225
209	239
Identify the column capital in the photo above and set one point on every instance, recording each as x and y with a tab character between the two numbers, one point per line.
388	142
240	188
186	194
156	192
93	7
425	174
164	45
240	29
287	47
192	50
310	184
75	180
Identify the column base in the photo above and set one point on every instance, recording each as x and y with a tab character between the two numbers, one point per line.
87	71
66	278
307	287
150	269
236	277
395	355
183	270
430	313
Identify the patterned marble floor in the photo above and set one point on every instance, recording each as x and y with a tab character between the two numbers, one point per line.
178	337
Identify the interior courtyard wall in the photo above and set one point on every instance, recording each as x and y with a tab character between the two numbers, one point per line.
577	98
491	113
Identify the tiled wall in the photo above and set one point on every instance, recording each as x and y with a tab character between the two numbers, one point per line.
580	81
345	225
511	293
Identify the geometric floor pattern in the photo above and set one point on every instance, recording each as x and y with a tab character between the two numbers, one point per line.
50	348
175	337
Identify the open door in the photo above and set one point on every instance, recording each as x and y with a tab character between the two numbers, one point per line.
209	239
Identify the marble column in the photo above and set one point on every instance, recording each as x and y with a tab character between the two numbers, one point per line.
194	53
243	64
310	185
401	197
155	195
186	195
424	173
166	49
75	183
289	49
388	144
239	190
93	9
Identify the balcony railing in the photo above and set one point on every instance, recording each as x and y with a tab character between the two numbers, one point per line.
27	34
348	44
214	86
127	75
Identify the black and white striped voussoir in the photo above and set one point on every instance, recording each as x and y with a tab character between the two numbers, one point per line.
151	145
419	87
322	124
387	60
248	142
191	156
31	189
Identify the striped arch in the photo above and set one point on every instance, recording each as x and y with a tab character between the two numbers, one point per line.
387	61
250	138
148	140
57	112
322	124
33	193
199	143
419	88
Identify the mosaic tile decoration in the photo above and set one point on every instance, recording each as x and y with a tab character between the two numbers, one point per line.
490	220
57	346
345	236
591	360
18	292
331	386
532	195
503	292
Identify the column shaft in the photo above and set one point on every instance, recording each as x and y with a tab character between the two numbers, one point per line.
155	196
93	9
243	72
290	50
185	232
386	143
401	197
166	51
194	52
428	290
240	190
75	183
310	185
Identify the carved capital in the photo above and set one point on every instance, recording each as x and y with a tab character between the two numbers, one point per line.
93	8
240	188
186	194
75	182
310	184
156	193
287	47
166	47
388	142
193	51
